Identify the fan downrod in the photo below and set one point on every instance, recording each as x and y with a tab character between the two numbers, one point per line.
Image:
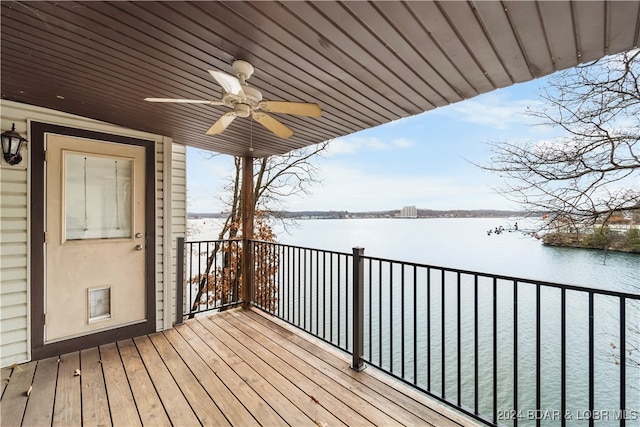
243	69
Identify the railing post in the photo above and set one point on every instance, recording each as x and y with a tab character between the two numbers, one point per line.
248	270
358	309
180	281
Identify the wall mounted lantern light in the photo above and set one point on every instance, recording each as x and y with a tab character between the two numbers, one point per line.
11	145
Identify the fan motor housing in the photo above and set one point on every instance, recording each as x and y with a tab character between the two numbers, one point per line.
252	97
242	110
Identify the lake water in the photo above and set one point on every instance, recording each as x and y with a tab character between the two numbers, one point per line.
465	244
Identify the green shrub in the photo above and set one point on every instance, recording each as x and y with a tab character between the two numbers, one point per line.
600	238
633	239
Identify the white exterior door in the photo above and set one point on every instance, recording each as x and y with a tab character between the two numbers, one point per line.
95	237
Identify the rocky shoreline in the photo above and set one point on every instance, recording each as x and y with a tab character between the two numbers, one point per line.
601	240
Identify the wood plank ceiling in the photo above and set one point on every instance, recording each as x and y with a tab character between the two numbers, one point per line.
365	63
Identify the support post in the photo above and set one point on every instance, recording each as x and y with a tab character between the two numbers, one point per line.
358	309
180	281
248	214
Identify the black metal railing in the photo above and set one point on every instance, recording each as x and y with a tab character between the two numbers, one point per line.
209	277
503	350
313	289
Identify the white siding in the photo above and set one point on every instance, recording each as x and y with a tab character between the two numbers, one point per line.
160	242
178	211
15	220
14	213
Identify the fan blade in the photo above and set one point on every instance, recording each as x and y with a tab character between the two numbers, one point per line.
222	123
272	124
297	108
229	83
184	101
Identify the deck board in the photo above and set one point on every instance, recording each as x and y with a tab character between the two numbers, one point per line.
6	375
238	368
173	400
201	402
121	404
235	412
39	411
95	406
143	392
67	408
14	398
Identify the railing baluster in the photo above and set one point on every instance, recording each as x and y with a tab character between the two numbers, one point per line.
515	351
236	296
495	350
402	320
591	362
443	332
370	309
317	282
475	344
200	273
538	356
428	329
324	295
339	301
298	303
331	298
415	324
379	313
563	356
390	316
347	318
292	296
304	289
215	276
623	362
459	344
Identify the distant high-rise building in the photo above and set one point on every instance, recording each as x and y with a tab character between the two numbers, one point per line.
409	212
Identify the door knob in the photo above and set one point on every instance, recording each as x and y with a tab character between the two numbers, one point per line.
138	247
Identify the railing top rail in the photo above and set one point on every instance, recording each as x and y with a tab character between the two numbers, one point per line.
303	247
213	241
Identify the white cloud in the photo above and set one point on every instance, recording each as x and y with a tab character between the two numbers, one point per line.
402	143
355	144
494	110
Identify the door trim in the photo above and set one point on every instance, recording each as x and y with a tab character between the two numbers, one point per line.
39	349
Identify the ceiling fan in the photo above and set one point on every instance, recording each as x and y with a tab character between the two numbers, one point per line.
246	101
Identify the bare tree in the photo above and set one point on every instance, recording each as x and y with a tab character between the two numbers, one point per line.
275	179
586	175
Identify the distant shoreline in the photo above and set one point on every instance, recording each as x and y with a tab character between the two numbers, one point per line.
422	213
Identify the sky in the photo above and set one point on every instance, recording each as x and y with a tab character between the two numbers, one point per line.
425	160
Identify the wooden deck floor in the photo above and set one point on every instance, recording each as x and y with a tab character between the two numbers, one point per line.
233	368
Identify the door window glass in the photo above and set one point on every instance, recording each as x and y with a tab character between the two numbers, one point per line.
97	197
